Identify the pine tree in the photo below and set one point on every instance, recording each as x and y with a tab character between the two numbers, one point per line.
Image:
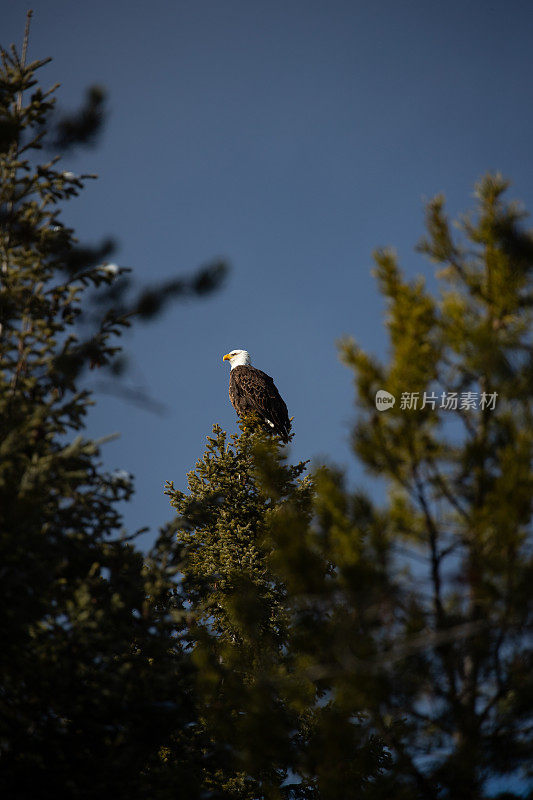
426	616
274	731
94	680
459	470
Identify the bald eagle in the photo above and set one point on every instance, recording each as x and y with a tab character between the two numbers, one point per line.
252	391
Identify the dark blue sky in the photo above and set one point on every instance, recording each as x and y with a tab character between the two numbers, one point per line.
291	138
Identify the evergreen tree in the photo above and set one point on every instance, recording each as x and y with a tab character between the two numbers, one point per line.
426	617
459	470
94	679
275	731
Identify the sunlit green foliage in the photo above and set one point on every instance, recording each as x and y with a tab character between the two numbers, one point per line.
426	618
283	736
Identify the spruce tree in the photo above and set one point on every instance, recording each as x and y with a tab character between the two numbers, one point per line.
94	680
273	728
426	616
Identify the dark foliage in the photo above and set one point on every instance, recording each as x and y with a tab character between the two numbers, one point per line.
95	678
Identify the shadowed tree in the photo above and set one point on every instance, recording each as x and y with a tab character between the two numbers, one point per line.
94	679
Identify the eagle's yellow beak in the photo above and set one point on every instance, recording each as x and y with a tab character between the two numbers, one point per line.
227	357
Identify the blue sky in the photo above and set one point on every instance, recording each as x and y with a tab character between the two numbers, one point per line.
291	138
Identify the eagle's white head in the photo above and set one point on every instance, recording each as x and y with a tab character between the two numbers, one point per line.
238	358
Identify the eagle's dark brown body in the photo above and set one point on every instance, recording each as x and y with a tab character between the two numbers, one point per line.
252	391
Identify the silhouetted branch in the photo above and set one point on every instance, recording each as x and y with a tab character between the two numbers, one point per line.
133	395
83	126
